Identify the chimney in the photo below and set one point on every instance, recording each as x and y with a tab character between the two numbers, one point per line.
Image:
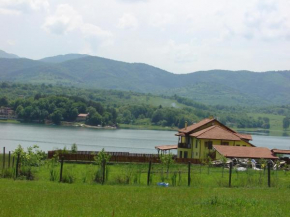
185	125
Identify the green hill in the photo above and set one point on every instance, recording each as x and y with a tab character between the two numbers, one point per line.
62	58
213	87
3	54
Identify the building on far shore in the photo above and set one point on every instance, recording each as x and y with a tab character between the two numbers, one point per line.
197	140
82	117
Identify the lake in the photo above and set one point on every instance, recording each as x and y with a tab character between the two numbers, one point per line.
123	140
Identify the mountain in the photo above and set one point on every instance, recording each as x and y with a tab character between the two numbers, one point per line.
3	54
213	87
62	58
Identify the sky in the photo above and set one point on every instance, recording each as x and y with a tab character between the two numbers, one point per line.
178	36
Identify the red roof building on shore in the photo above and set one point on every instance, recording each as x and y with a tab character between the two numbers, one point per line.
196	141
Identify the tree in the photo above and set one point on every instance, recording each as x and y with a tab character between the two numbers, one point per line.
74	148
286	122
3	101
56	117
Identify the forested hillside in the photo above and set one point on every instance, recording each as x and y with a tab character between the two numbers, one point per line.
112	107
215	87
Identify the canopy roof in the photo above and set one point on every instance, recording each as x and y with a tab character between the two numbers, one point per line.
279	151
166	147
244	152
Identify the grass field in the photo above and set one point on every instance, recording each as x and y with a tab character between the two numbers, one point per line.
39	198
125	192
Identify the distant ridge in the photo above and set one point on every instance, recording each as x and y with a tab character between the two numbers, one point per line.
62	58
213	87
3	54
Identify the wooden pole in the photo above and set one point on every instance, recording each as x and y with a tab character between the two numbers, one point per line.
148	176
269	175
103	170
3	158
17	165
61	169
188	181
9	158
230	174
13	158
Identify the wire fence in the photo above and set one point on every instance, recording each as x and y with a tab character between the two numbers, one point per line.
152	174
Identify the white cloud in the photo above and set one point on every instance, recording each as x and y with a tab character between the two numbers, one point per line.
64	20
161	19
67	19
128	21
23	6
6	11
11	42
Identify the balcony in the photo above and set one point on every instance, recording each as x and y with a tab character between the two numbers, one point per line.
184	145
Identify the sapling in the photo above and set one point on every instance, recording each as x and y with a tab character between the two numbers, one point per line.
101	159
167	161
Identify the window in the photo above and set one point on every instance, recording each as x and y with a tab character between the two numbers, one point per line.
237	144
225	143
196	143
196	153
244	145
180	154
185	154
208	144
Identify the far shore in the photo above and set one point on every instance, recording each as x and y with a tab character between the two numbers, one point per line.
254	131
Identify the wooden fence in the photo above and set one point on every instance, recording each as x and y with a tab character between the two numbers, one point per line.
118	157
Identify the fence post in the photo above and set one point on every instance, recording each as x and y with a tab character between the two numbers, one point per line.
13	158
61	168
9	159
3	158
188	173
230	174
148	176
269	175
17	165
103	170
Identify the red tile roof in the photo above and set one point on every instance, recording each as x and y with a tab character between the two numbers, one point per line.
166	147
82	115
216	132
196	125
244	152
279	151
244	136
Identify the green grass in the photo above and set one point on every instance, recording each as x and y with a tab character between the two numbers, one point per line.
276	121
10	121
208	195
30	198
276	125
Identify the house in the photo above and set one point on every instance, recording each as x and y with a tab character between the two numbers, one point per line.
82	117
196	141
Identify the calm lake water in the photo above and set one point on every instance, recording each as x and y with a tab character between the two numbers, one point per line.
134	141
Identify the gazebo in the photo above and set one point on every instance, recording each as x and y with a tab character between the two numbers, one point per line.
165	148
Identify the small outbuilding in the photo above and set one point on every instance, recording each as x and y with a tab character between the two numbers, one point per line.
82	117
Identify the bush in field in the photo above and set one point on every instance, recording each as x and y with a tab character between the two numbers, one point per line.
101	159
167	161
74	148
33	157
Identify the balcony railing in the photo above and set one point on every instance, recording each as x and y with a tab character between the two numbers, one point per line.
184	145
